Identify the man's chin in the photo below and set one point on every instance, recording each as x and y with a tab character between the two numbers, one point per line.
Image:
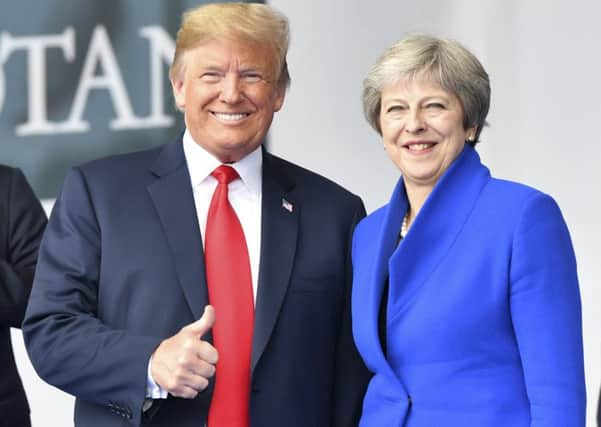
231	153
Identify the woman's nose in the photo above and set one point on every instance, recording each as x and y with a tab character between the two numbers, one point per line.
415	122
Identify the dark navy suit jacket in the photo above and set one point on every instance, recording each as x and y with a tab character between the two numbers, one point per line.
22	222
121	268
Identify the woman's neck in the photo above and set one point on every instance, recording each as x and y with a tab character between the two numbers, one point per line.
416	196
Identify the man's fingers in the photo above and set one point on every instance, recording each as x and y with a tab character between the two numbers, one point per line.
184	391
196	379
187	382
200	362
198	383
205	370
207	353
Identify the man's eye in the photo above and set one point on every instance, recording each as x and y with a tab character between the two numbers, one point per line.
210	76
252	77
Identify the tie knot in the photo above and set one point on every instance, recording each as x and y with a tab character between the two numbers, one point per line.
225	174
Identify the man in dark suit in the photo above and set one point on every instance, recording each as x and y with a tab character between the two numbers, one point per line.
119	314
22	223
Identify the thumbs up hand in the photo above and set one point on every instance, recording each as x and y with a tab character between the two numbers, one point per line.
183	364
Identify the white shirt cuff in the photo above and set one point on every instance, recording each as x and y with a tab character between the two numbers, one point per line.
153	390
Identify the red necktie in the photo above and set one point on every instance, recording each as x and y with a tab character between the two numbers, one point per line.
230	292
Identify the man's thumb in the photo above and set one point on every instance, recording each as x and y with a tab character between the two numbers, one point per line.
202	325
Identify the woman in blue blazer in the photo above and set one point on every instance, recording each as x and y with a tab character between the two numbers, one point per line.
465	299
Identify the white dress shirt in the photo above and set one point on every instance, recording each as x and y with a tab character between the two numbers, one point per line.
244	195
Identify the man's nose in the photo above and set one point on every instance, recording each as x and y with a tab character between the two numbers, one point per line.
230	89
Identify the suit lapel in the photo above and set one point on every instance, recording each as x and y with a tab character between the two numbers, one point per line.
279	229
435	228
172	196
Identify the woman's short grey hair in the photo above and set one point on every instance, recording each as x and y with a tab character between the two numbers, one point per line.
442	61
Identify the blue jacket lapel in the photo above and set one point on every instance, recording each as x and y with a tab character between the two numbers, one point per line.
435	228
386	240
172	196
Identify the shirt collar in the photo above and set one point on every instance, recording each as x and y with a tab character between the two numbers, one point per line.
201	163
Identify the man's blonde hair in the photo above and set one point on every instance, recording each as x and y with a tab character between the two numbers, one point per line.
250	23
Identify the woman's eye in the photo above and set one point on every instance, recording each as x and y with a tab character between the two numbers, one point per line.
435	106
395	108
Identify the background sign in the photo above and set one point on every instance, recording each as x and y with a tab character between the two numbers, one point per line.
84	79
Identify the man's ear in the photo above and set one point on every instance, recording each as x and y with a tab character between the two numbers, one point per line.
280	95
178	86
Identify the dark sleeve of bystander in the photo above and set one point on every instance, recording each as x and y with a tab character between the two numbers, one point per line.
22	224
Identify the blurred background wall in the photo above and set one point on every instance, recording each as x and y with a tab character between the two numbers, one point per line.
542	56
545	69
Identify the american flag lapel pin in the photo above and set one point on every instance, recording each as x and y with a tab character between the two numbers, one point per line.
287	205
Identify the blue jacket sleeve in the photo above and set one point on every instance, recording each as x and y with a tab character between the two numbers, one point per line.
546	315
